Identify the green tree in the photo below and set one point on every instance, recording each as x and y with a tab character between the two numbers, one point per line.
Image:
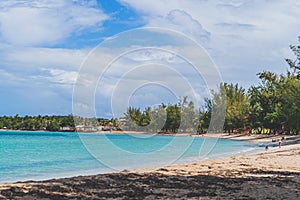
173	118
295	63
189	117
237	106
53	126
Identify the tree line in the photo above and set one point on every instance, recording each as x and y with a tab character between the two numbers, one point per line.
163	118
51	123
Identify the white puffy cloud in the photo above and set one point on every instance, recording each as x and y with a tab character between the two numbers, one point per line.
42	65
61	76
33	59
182	21
27	95
38	76
39	22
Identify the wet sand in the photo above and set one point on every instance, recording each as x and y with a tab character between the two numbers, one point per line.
272	174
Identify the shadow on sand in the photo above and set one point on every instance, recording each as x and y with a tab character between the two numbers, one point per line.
259	185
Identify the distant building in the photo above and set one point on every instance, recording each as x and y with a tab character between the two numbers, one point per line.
82	128
67	129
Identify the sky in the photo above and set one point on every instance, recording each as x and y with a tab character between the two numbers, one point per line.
45	44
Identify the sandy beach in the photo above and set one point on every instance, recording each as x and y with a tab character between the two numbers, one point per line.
272	174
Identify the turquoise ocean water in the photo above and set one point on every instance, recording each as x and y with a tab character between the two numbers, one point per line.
44	155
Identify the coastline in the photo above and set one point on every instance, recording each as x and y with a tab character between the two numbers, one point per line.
275	173
257	138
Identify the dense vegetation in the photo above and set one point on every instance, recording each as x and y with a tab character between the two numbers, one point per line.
273	106
50	123
166	118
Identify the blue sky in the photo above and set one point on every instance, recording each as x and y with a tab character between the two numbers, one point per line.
44	43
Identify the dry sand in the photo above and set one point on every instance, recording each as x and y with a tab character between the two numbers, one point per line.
272	174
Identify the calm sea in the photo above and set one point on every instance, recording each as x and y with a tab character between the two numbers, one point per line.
45	155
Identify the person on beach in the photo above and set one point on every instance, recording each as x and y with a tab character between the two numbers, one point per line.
279	143
267	148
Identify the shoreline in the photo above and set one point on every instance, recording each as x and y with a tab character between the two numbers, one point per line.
233	136
279	166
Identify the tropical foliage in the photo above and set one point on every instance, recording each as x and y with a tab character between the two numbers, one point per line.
167	118
51	123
